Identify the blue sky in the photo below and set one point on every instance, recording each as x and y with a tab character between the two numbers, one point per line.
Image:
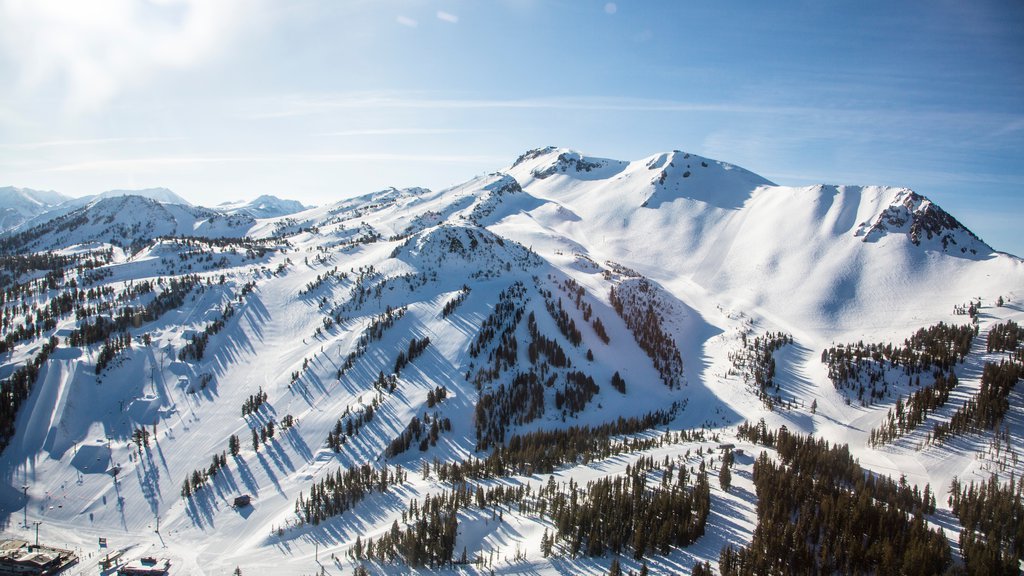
320	100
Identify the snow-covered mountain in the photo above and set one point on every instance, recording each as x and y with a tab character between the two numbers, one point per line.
596	319
265	206
124	221
17	205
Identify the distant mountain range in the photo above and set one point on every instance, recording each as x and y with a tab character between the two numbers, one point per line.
25	208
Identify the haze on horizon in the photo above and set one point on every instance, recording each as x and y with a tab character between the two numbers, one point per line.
317	101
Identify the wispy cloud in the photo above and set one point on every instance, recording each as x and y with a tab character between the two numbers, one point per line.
319	104
396	132
165	163
90	142
406	21
447	17
96	50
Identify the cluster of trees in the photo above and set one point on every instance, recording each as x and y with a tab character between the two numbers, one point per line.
456	301
429	540
579	389
199	477
615	514
818	511
521	401
986	409
436	395
618	383
111	347
321	278
140	436
612	514
263	434
336	493
576	293
637	309
864	366
14	266
375	331
348	425
197	343
508	310
542	345
755	363
1006	337
172	297
566	325
992	516
541	452
902	418
15	389
252	404
425	431
416	347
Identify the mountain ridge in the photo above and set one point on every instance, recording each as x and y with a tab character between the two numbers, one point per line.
183	357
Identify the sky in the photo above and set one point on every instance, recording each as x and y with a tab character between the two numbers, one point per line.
319	100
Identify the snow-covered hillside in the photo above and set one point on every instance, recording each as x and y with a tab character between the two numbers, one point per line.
18	205
566	320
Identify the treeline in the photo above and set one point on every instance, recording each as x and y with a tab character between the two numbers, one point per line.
577	392
15	389
755	363
452	305
196	346
992	516
336	493
608	515
819	512
521	401
904	417
416	347
507	310
200	476
541	452
172	297
423	432
252	404
375	331
863	367
541	345
111	347
1006	337
576	293
321	278
637	309
987	408
348	425
566	325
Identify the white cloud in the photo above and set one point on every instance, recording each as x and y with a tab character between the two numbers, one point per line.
93	50
406	21
610	8
394	132
163	164
447	17
91	142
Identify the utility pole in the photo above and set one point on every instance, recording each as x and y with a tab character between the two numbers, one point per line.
37	523
25	488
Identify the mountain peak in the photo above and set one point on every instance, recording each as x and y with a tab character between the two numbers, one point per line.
162	195
924	222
